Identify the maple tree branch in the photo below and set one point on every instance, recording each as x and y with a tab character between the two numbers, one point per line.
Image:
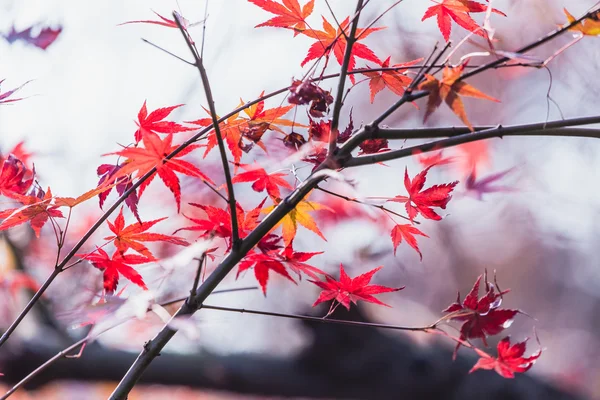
167	52
322	319
559	31
65	352
38	370
339	96
153	347
470	137
215	123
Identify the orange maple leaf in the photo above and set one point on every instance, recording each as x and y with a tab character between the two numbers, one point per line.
235	128
457	10
448	90
589	26
129	237
395	80
36	211
332	39
152	155
289	15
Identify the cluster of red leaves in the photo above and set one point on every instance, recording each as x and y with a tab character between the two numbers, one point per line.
276	260
417	202
481	317
218	222
459	11
39	37
250	127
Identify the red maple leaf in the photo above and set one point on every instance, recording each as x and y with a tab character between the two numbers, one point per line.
348	290
289	15
263	180
457	10
128	237
407	232
296	260
218	221
44	38
432	158
153	122
424	200
334	40
153	155
482	316
21	153
15	177
4	97
36	210
118	264
510	359
262	263
395	80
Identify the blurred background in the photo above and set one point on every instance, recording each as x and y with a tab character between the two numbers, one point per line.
539	232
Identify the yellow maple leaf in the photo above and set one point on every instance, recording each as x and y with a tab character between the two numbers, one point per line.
589	26
299	215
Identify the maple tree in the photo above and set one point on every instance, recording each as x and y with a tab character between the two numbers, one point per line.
308	138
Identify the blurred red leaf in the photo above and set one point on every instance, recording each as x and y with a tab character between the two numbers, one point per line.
44	38
4	97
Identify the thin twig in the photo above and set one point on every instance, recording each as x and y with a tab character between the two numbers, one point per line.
337	105
167	51
213	113
323	320
382	208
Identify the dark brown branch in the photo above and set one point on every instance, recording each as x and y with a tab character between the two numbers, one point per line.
470	137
